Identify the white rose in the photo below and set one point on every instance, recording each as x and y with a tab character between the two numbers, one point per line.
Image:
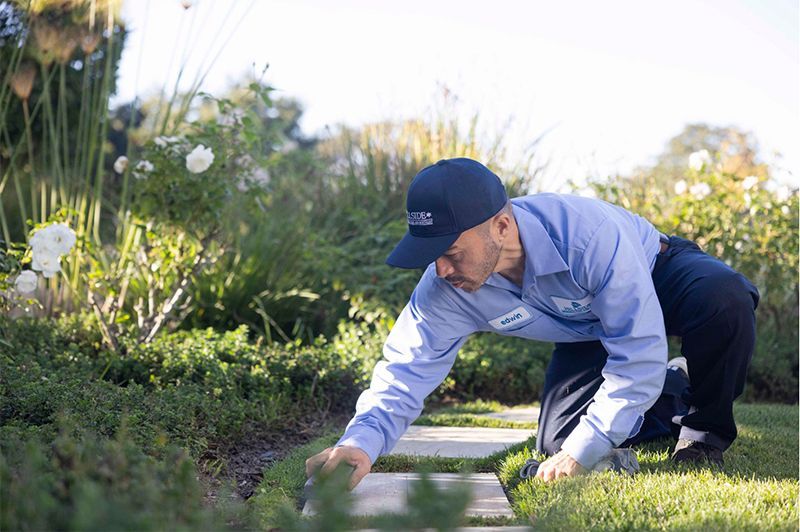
121	164
680	187
61	236
145	166
142	168
54	239
163	142
42	243
199	160
785	209
749	182
738	245
47	263
26	282
700	190
699	159
783	193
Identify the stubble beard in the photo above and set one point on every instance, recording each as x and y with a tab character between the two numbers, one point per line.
490	257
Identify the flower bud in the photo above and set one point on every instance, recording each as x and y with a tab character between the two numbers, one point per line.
22	81
89	42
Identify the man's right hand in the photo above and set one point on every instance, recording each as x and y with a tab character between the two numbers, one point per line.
333	456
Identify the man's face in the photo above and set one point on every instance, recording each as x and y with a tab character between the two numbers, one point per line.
470	260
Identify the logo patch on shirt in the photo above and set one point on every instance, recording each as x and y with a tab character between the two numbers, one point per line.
419	218
508	319
570	307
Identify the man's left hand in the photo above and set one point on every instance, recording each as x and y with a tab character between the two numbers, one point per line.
559	465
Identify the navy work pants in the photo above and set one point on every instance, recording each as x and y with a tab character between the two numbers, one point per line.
712	308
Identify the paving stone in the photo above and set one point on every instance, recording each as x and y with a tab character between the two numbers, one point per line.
475	529
382	493
525	414
495	528
458	442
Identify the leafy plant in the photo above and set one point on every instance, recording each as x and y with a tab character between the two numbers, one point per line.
82	481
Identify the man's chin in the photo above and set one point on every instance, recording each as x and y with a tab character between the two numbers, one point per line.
469	287
466	285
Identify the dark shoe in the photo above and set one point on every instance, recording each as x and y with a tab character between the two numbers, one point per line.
696	452
620	460
529	469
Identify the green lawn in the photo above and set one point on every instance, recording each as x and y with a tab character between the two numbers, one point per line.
756	490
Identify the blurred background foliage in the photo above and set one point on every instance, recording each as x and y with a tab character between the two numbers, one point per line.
733	209
204	307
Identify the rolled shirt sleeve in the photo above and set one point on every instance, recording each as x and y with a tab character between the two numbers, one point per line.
417	356
614	268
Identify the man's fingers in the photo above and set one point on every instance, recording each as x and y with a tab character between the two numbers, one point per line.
334	457
360	472
313	463
558	466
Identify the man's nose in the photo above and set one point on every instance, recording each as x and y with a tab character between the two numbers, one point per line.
443	267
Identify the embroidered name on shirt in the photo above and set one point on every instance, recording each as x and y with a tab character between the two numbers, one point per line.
514	317
419	218
569	307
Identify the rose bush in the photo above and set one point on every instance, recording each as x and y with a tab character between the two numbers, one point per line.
48	242
186	189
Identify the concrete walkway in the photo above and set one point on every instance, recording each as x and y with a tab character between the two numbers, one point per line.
386	493
458	442
525	414
382	493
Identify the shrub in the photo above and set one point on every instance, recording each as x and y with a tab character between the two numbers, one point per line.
500	368
86	482
92	439
201	389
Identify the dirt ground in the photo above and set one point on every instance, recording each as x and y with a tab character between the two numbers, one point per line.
241	467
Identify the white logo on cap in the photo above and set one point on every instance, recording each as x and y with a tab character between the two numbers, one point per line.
420	218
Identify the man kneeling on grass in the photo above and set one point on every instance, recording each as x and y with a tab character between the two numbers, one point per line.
602	283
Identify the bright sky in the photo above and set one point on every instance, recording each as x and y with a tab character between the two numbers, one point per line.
615	79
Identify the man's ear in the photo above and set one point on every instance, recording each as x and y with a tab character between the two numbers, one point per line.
502	225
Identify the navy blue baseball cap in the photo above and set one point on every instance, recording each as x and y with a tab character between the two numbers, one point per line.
444	200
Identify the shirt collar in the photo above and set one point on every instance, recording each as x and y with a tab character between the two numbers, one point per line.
541	255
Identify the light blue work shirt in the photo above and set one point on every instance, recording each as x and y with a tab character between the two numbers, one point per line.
588	267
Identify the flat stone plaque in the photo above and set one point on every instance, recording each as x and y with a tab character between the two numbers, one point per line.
528	414
458	442
385	493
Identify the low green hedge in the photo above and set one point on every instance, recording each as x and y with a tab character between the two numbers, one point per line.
200	387
78	480
91	439
500	368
